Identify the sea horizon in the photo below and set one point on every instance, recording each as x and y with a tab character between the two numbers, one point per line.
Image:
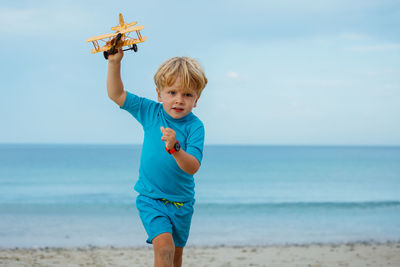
206	144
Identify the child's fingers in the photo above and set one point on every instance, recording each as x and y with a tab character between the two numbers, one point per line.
168	130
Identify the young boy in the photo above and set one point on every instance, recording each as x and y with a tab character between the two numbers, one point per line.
171	154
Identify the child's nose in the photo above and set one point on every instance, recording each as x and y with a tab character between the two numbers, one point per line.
179	98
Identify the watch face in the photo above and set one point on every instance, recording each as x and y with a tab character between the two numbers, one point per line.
177	146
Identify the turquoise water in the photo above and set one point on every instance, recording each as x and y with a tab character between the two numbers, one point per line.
79	195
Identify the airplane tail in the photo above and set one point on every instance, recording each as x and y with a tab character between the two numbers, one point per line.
121	20
122	24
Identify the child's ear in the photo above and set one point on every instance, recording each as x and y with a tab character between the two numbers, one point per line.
159	95
195	102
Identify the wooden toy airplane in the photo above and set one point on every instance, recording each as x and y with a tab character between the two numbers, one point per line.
114	41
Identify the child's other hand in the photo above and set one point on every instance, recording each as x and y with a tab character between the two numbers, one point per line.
116	58
169	137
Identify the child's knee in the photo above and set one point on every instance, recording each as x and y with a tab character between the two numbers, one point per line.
165	253
164	248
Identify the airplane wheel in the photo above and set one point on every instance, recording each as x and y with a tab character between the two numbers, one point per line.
105	53
134	47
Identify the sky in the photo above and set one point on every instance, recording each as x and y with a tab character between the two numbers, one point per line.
306	72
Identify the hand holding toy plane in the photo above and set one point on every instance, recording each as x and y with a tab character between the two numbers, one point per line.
114	41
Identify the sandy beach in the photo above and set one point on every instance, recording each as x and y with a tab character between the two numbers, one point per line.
352	254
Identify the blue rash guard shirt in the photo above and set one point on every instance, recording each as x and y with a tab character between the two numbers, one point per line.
159	174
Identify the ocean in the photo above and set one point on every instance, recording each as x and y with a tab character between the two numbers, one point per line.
82	195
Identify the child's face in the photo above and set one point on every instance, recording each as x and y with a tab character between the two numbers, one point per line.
177	101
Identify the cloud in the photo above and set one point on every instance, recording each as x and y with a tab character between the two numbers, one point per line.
39	21
351	36
233	75
375	48
18	20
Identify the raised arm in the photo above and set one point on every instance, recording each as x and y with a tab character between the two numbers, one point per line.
115	87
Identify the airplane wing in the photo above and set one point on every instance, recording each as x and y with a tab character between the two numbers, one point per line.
133	41
136	28
104	36
101	49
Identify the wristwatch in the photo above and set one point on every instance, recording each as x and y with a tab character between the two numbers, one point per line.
176	148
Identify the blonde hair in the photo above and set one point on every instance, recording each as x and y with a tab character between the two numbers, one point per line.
187	69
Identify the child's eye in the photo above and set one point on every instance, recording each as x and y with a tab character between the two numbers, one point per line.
171	92
188	95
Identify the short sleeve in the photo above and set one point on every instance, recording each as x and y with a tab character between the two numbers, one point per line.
144	110
195	143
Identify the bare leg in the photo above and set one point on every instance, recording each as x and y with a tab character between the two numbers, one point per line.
178	257
164	250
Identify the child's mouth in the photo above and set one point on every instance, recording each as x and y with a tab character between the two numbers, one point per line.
178	109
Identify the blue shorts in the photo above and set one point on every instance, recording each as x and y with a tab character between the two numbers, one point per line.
160	216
